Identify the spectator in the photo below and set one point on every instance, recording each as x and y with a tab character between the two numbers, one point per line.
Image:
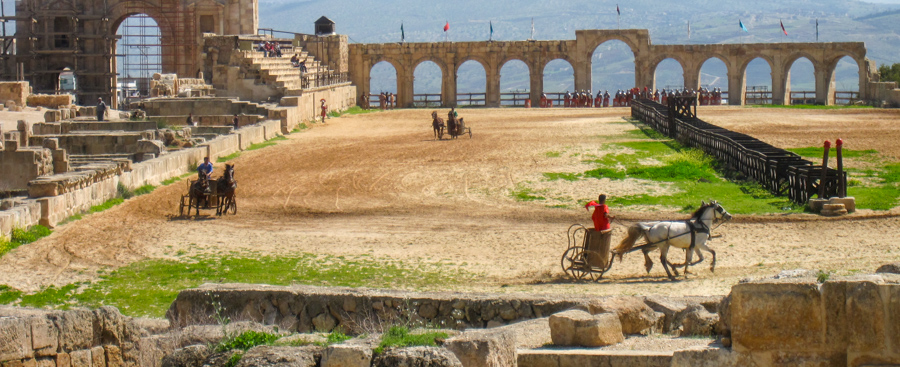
236	122
101	109
190	120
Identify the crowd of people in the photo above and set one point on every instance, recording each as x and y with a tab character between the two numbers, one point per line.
623	98
386	101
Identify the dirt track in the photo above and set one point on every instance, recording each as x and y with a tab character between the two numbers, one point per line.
379	184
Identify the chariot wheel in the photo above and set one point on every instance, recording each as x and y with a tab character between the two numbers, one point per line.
573	264
181	208
470	133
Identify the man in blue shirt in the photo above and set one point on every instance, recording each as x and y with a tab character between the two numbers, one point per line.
205	168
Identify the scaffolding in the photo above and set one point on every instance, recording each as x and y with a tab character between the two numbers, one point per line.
139	56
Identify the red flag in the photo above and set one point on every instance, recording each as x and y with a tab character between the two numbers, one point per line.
617	10
782	28
447	26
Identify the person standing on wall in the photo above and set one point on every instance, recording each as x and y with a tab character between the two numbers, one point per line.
236	122
324	110
101	109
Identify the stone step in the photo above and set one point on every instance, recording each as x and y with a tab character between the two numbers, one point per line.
833	207
833	212
592	357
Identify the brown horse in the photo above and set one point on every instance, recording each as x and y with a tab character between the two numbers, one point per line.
227	186
438	124
199	193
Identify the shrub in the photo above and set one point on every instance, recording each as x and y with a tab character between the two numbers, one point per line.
399	336
245	341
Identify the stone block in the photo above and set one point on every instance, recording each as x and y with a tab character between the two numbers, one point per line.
799	323
710	357
892	327
76	329
487	348
579	328
98	356
698	322
44	336
109	325
80	358
193	355
63	360
15	339
280	356
416	356
893	268
114	357
324	322
52	116
343	355
635	315
50	143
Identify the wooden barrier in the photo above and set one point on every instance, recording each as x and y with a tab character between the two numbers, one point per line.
779	171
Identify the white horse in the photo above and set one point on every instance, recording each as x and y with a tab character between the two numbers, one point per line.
690	235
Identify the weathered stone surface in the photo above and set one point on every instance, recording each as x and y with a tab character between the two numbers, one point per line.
416	357
324	322
109	327
428	310
893	268
63	360
191	356
76	329
635	315
487	348
281	356
799	323
723	327
344	355
710	357
15	339
697	321
153	348
301	339
80	358
44	336
530	333
579	328
114	355
98	356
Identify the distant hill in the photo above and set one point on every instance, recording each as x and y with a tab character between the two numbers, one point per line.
711	22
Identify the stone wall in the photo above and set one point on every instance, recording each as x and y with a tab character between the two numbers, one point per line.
17	92
22	214
21	165
50	100
308	104
79	337
95	142
885	94
854	321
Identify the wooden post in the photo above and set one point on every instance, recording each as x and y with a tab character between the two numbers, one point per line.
842	182
824	170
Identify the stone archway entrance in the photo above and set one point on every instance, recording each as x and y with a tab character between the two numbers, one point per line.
81	35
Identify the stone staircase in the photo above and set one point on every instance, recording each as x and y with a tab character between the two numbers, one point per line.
280	73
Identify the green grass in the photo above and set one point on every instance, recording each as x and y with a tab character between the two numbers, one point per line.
245	341
303	126
227	158
355	110
106	205
399	336
267	143
147	288
21	236
812	107
816	152
176	179
526	194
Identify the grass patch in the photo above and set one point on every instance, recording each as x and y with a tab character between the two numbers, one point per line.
21	236
553	154
355	110
336	337
302	127
810	107
147	288
227	158
245	341
522	193
816	152
399	336
106	205
176	179
267	143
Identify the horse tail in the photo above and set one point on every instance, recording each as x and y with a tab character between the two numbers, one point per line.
634	232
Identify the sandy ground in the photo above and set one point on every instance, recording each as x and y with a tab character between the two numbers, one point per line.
379	184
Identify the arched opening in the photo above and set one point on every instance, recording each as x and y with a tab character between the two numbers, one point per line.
559	79
515	83
801	82
382	79
612	67
846	81
758	82
714	80
67	81
427	85
471	84
669	75
138	57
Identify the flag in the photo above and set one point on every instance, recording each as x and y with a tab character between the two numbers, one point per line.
689	29
492	30
402	33
617	10
532	29
447	26
743	27
817	29
782	27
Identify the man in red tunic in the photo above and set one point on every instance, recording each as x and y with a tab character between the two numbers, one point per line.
601	215
324	111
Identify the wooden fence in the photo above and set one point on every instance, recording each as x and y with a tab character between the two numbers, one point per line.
471	99
778	170
514	99
427	100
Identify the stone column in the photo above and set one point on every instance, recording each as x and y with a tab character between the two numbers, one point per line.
781	92
492	89
737	83
405	80
824	85
448	87
691	75
361	76
582	68
536	72
644	76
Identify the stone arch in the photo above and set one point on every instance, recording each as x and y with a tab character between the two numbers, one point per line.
611	82
526	85
393	64
543	70
654	65
480	60
594	42
446	87
436	60
791	84
709	58
746	61
470	93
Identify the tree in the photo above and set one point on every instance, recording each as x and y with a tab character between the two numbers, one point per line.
890	74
